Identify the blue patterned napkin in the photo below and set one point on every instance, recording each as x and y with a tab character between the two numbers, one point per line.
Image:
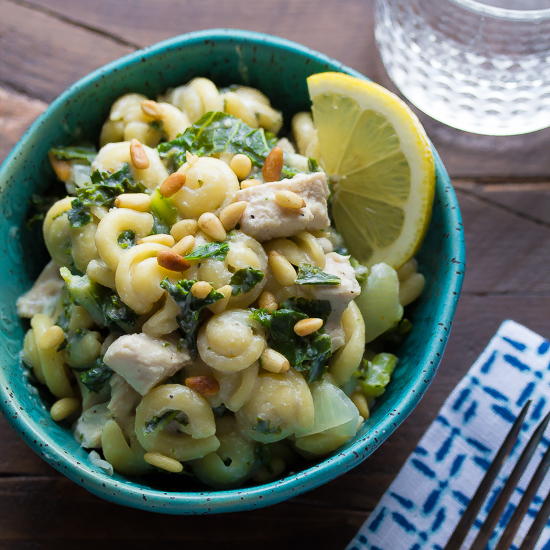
424	503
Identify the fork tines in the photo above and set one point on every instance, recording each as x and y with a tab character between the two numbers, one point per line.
472	511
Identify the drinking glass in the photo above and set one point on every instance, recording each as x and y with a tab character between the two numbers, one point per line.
478	65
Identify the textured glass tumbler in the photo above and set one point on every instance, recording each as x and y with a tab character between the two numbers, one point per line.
480	66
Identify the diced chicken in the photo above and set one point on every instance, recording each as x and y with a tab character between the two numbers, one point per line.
264	219
89	426
339	296
43	295
144	361
123	403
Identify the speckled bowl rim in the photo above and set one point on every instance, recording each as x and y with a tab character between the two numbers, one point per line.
271	493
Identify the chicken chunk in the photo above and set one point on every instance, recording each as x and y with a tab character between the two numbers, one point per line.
264	219
339	296
43	295
144	361
88	427
123	403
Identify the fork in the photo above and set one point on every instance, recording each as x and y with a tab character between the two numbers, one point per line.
472	511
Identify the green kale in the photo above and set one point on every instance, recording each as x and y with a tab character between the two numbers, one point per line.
313	275
85	153
245	280
102	191
375	375
97	376
164	212
307	354
265	427
191	309
361	271
126	239
103	304
215	251
217	132
162	420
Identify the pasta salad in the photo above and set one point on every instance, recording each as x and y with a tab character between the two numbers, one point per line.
200	314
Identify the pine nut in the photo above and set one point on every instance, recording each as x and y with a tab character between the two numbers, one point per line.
282	269
245	184
267	301
221	305
212	226
308	326
163	462
273	361
63	408
62	168
172	184
407	269
360	401
201	289
135	201
289	199
159	238
411	288
152	108
183	228
273	165
138	155
205	385
241	165
232	213
184	245
51	338
172	261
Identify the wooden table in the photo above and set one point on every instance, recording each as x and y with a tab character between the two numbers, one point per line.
503	185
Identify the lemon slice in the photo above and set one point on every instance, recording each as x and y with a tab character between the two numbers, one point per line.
378	156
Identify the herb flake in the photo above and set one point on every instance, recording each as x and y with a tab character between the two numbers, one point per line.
313	275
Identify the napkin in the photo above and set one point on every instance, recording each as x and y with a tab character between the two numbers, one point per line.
424	503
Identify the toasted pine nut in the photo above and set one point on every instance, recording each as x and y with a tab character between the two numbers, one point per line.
273	361
267	301
308	326
184	245
172	261
281	268
273	165
407	269
63	408
212	226
62	168
241	165
172	184
201	289
289	199
51	338
163	462
245	184
232	213
152	108
360	401
159	238
205	385
136	201
221	304
138	155
183	228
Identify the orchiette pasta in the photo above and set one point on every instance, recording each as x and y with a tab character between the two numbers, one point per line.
200	313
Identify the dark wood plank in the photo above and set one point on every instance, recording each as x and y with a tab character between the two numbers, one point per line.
42	55
16	113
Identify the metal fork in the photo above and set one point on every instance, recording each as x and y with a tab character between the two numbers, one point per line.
472	511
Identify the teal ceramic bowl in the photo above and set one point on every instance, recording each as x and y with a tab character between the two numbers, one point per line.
278	68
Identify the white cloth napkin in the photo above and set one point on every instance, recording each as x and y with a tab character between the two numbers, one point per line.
424	503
